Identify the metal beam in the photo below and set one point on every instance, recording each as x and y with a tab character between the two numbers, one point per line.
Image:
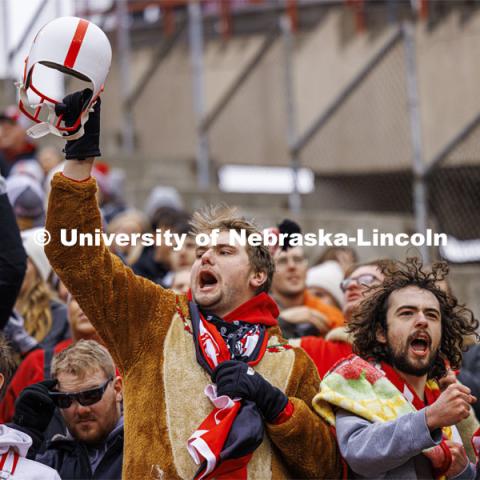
224	100
286	26
157	59
325	116
420	192
195	34
123	47
440	157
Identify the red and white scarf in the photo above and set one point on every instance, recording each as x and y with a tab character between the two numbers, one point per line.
224	442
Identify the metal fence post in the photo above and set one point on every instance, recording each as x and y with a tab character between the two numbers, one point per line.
294	199
195	34
420	193
123	39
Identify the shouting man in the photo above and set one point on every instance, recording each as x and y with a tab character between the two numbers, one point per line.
392	420
257	419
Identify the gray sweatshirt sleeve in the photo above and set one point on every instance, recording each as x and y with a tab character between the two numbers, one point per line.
371	449
469	473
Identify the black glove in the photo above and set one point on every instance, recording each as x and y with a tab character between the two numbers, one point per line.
34	408
237	379
88	145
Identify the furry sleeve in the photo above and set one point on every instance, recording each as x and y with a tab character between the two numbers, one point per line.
305	441
119	304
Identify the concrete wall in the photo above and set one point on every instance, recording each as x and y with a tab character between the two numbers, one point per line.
370	132
448	71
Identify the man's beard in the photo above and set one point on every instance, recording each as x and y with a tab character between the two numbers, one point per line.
401	362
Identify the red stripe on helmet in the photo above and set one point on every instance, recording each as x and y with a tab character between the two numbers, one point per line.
76	43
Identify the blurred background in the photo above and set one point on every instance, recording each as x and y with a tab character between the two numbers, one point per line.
341	114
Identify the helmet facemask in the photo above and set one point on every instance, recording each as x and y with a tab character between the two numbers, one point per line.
70	46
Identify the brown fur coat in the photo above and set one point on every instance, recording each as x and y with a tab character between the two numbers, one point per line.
164	399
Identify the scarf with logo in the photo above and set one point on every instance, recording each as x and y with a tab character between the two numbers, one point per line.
224	442
378	394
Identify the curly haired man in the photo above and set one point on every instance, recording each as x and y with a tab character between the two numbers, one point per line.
391	418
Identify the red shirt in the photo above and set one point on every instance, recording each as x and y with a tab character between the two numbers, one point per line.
30	371
325	353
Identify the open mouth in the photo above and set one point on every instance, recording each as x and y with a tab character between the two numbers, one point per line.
207	280
420	344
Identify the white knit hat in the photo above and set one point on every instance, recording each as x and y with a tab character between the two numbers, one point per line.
26	196
162	196
36	253
328	276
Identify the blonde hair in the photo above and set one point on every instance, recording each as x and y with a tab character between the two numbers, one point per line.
224	218
7	364
83	357
34	306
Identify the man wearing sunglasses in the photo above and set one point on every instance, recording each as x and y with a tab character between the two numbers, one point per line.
211	388
36	366
88	394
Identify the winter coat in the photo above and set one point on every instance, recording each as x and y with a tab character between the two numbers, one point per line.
71	457
13	260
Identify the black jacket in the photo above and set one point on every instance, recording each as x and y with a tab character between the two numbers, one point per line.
146	266
70	458
13	260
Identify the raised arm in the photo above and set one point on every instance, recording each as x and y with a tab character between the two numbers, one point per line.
119	304
13	259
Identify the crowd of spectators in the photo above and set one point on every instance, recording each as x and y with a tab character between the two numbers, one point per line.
62	398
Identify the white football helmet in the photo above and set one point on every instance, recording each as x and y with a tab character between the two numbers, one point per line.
73	46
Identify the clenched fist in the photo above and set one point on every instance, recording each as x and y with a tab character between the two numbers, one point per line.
451	407
88	145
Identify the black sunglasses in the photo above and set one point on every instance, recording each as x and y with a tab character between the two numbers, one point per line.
85	398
